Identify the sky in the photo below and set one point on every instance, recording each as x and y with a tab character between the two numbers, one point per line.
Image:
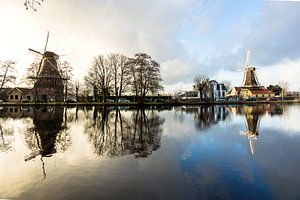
187	37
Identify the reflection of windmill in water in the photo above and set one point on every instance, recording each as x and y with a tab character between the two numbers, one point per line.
47	123
252	115
49	81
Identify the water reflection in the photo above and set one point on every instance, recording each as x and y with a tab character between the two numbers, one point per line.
45	137
253	115
106	144
204	116
116	133
6	137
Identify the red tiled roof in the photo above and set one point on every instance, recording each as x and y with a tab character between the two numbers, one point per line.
261	91
238	89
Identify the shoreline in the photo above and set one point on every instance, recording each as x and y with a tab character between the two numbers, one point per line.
150	103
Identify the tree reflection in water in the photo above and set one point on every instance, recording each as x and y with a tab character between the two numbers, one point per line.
7	137
6	130
115	133
206	116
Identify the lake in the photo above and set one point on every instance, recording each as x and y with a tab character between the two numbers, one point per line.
196	152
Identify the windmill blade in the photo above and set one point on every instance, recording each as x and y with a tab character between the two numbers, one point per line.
240	69
40	65
46	42
255	77
35	51
59	66
247	64
51	63
244	78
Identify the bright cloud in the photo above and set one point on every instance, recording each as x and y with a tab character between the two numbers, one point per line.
187	37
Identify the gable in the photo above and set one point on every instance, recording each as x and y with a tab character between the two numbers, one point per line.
16	90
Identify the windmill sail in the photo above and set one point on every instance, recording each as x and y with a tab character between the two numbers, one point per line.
46	42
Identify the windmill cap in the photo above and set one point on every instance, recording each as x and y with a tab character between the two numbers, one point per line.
50	54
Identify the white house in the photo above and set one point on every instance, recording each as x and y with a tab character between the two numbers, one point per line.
215	90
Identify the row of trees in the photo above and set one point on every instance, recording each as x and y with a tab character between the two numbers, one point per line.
117	74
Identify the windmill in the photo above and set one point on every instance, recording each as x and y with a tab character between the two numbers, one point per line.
250	77
49	81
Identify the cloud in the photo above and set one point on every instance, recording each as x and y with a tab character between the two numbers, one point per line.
188	37
83	29
272	37
276	34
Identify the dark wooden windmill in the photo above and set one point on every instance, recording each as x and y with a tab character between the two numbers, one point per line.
49	84
250	78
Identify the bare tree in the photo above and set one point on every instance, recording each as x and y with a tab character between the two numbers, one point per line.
100	76
31	72
66	71
121	74
31	4
201	84
146	75
7	73
227	84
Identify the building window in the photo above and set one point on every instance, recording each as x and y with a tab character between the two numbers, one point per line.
29	97
11	96
16	96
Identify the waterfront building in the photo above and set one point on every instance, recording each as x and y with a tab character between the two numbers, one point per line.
213	91
216	90
16	94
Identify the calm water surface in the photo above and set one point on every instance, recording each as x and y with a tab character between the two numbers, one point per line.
233	152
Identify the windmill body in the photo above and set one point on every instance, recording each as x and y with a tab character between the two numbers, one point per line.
250	77
49	85
49	82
